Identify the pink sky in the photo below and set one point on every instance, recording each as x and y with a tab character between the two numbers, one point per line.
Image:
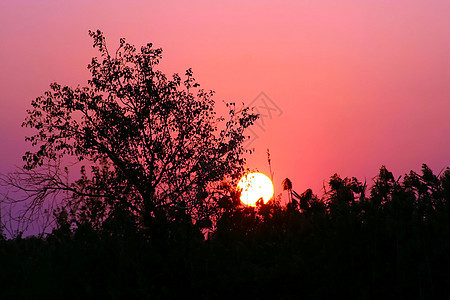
360	83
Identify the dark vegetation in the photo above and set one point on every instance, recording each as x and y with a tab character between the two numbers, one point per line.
155	214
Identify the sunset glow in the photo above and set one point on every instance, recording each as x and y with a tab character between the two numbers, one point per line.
356	84
251	149
255	186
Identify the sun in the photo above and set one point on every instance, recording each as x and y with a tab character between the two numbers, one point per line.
254	186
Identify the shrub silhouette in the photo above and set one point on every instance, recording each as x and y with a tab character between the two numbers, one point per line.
393	243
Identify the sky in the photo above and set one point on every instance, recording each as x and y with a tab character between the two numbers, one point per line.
343	86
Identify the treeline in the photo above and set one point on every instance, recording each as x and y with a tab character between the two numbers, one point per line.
391	240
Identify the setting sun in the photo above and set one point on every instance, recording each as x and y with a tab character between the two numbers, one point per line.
255	186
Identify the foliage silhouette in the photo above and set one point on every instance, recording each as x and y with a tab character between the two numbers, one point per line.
157	152
393	243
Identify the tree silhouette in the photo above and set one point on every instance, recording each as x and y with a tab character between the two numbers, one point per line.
156	149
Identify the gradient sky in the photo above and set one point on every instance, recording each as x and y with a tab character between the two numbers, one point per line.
360	83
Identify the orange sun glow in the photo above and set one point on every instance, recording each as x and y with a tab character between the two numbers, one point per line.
255	186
